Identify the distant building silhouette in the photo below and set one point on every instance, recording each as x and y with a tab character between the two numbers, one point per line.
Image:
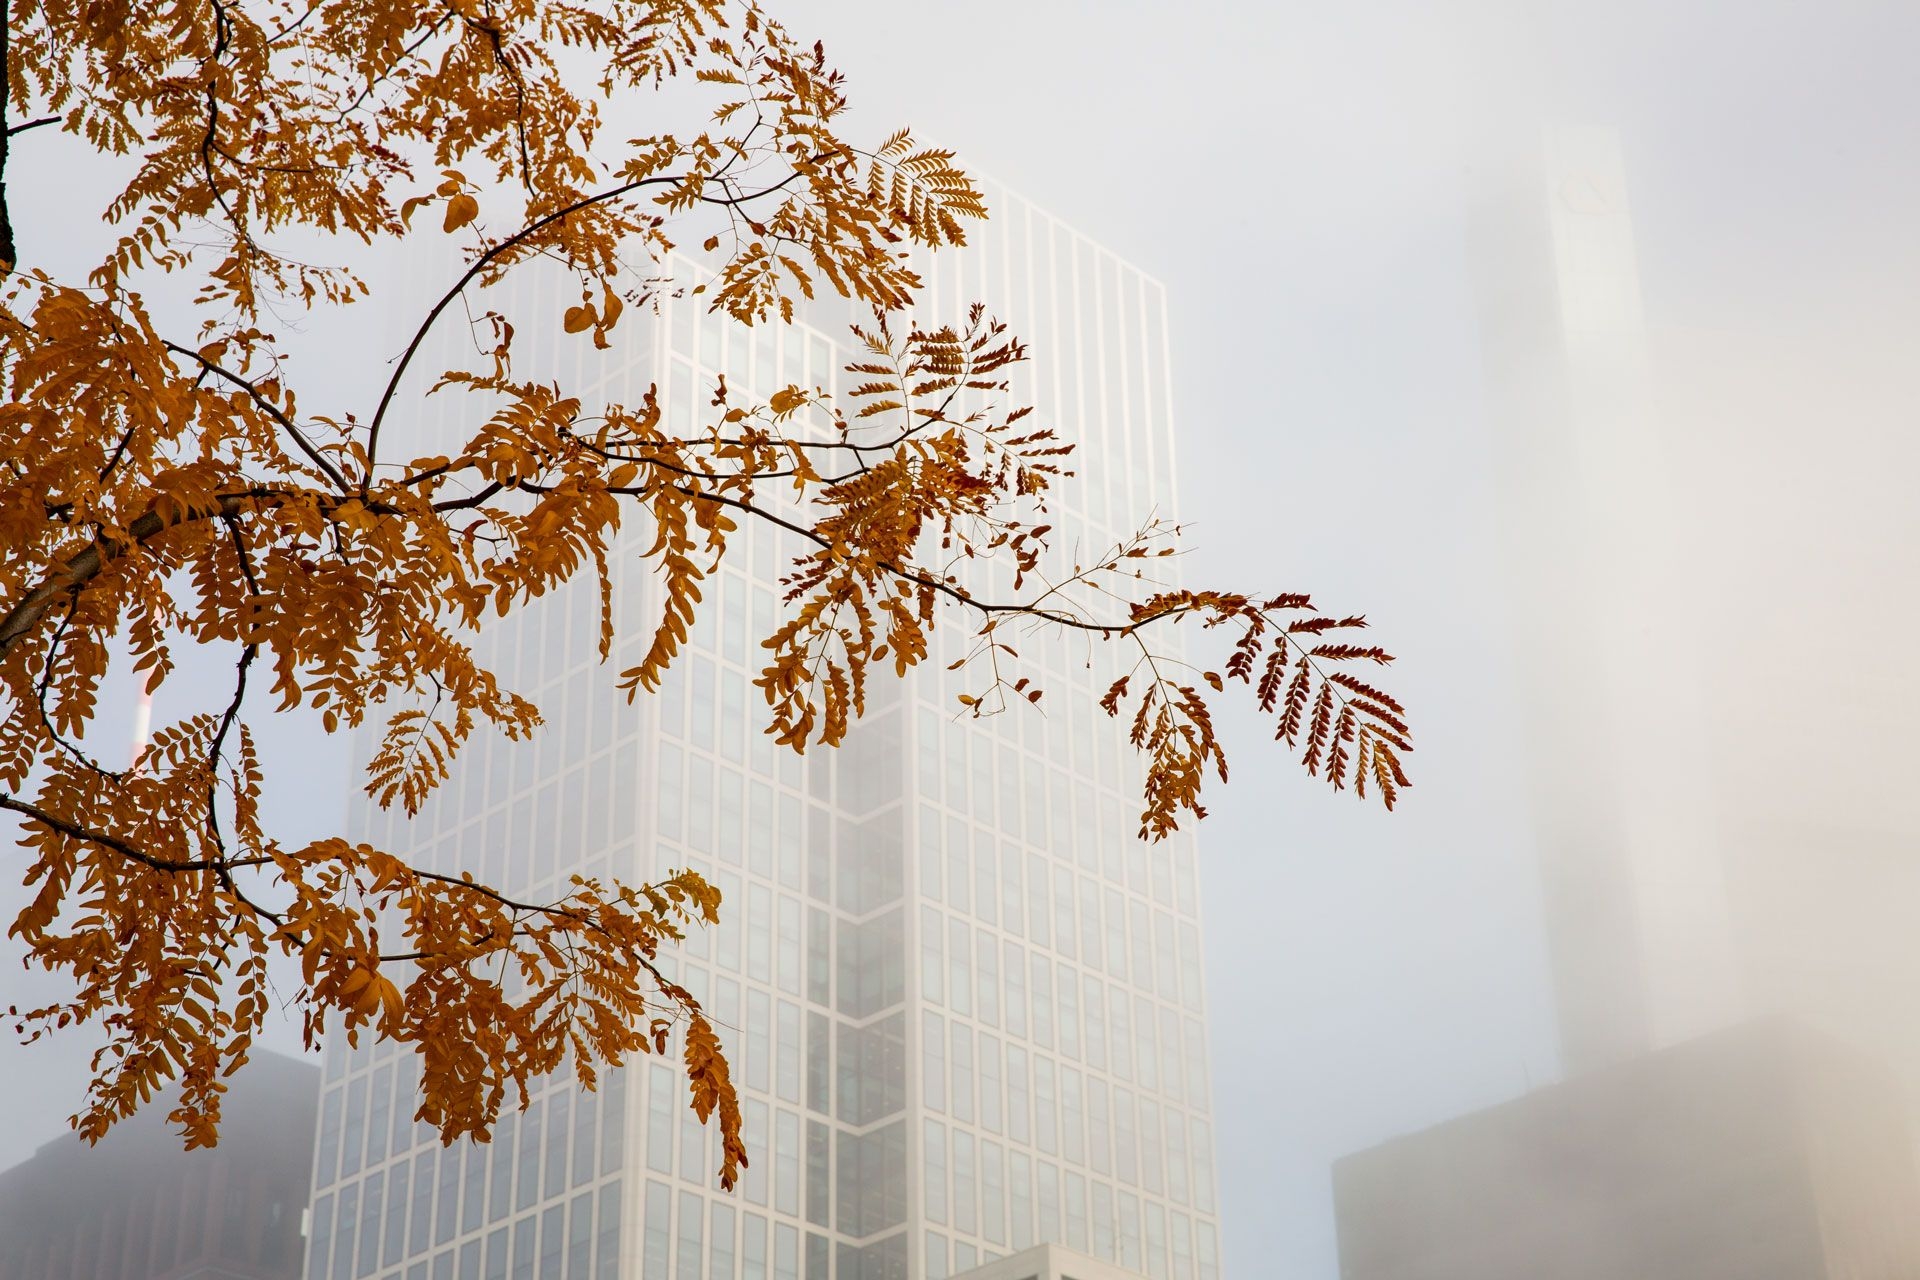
1758	1153
1639	934
139	1207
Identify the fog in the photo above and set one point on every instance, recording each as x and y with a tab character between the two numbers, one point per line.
1682	659
1307	179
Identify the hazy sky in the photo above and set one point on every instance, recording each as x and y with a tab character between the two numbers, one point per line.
1298	175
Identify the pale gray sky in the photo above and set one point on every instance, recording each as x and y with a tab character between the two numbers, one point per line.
1298	176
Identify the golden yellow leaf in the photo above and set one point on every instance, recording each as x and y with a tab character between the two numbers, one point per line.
461	210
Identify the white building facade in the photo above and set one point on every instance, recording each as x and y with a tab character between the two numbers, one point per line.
964	1004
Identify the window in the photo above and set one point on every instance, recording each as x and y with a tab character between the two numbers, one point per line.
819	957
377	1116
346	1211
396	1226
1156	1241
959	890
989	972
759	932
580	1236
932	961
585	1124
1018	1126
496	1263
1121	1041
786	1073
654	1243
688	1256
960	966
1144	1057
420	1222
1072	1128
1011	896
989	1083
1068	994
787	958
986	878
1049	1202
1094	1002
1170	1082
933	1061
660	1122
700	689
753	1247
354	1129
1202	1167
1129	1231
327	1157
1099	1136
992	1194
500	1157
1103	1243
1176	1156
1045	1134
1020	1199
699	811
1152	1159
933	1143
964	1207
1143	947
607	1250
1063	939
720	1246
320	1236
1042	994
961	1045
447	1215
473	1188
1038	909
759	1055
668	814
1076	1211
786	1162
819	1077
819	1173
1016	975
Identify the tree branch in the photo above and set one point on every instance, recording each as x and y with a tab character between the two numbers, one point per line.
119	846
271	409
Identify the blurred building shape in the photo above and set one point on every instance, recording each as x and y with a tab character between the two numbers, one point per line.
1049	1262
1621	768
965	1001
139	1207
1762	1152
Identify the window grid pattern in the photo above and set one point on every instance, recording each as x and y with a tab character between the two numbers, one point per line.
963	1002
1064	1092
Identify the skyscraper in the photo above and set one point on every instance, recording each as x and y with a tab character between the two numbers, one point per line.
139	1207
963	1002
1637	914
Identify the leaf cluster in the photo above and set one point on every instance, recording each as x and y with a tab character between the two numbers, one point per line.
198	482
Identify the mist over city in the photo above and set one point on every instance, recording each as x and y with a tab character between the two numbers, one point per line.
1570	344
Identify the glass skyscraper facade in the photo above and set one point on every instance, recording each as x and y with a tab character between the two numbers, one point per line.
963	1003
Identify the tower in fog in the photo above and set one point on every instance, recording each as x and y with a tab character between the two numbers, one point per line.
1637	914
964	1004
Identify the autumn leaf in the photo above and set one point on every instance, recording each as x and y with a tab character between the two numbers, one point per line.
461	210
